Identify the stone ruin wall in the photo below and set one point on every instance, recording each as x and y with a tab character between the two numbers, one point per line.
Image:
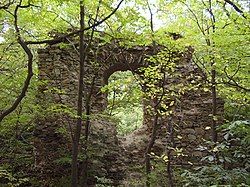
58	70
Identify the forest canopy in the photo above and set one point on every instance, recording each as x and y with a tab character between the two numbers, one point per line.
216	31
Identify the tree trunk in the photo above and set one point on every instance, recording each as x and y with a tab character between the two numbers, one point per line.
149	148
77	133
214	105
170	157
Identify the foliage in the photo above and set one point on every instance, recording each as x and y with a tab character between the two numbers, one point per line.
227	162
237	137
214	175
8	179
124	101
229	51
230	60
103	182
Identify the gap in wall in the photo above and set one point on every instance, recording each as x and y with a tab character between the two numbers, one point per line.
125	101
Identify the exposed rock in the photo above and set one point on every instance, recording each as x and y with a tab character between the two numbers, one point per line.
191	137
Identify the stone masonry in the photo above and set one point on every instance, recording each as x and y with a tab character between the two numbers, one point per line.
109	155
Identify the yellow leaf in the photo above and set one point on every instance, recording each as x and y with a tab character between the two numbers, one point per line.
207	128
171	103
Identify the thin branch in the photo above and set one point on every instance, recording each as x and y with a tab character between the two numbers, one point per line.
30	70
196	19
203	69
232	82
151	17
63	38
236	8
60	17
235	84
7	5
236	71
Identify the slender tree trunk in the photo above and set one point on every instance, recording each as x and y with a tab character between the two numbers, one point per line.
169	169
77	133
154	133
86	159
214	105
169	154
154	130
87	131
213	78
113	103
149	149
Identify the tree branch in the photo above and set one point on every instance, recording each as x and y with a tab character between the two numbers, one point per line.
63	38
30	71
236	8
232	82
195	18
6	6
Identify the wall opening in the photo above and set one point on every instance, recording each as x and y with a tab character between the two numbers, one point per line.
125	101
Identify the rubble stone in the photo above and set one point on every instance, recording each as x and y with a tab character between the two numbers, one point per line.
111	155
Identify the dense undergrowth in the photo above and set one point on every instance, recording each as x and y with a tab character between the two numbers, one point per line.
218	32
